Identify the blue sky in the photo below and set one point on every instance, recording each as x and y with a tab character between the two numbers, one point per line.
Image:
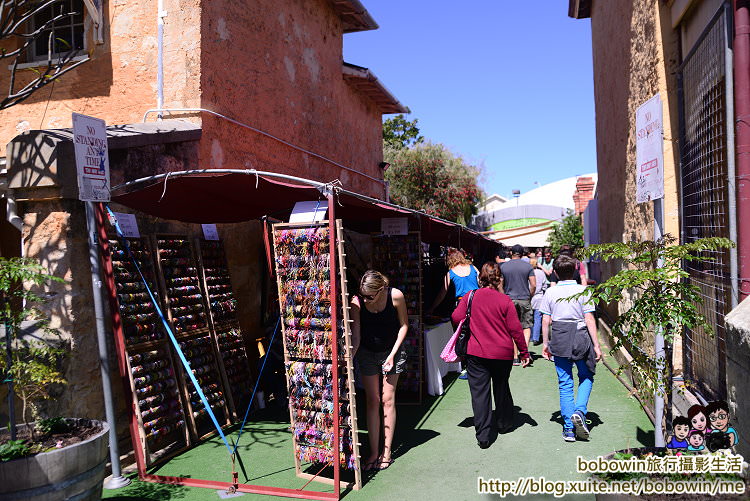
505	84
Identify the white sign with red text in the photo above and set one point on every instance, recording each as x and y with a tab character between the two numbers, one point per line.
649	151
92	158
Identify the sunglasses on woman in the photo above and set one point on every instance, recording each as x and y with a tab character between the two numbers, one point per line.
371	297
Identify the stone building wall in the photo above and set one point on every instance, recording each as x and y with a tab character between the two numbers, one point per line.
118	84
274	65
635	53
285	78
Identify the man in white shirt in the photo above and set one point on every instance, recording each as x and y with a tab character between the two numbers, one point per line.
570	338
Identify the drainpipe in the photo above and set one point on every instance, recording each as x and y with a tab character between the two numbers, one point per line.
731	160
742	138
160	15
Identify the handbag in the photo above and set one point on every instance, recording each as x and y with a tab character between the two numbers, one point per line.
462	341
449	351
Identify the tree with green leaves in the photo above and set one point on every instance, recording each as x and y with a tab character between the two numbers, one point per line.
429	177
400	133
32	363
567	231
653	279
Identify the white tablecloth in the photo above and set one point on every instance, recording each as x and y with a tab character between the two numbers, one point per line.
435	339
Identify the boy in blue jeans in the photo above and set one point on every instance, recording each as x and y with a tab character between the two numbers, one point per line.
570	338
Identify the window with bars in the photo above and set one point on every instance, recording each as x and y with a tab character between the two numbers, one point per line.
67	33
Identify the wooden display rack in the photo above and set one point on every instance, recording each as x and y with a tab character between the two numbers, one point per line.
233	359
347	346
176	252
139	352
406	275
345	360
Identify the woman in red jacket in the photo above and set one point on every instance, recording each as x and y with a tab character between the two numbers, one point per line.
495	328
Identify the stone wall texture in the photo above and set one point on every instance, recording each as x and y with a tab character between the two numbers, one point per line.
118	84
275	66
285	78
738	369
635	54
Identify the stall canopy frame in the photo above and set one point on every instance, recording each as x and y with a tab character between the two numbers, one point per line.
237	195
233	196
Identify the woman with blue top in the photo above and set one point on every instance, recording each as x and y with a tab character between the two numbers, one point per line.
462	273
465	278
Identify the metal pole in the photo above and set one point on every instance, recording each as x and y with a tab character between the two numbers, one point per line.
659	340
117	480
9	379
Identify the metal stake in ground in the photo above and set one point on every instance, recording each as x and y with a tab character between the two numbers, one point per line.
9	380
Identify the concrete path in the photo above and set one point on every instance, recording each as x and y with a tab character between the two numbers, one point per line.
436	453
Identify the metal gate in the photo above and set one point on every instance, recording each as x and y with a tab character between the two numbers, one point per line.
704	97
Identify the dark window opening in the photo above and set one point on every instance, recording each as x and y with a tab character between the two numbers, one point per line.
67	32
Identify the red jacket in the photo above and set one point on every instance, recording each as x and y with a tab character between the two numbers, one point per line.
494	325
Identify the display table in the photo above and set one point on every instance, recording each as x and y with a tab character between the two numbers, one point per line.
435	339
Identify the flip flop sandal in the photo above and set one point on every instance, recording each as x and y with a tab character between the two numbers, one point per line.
372	465
386	463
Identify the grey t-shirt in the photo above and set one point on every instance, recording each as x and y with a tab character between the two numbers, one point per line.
555	304
516	275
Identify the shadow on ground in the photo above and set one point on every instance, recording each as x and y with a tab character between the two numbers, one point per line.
147	491
519	419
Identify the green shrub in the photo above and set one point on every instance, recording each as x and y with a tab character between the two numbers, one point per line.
13	449
53	426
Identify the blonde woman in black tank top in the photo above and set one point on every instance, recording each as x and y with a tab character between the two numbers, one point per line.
379	326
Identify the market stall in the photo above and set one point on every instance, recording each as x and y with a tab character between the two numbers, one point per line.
319	411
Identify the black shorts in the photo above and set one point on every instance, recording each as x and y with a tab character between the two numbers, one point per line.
371	362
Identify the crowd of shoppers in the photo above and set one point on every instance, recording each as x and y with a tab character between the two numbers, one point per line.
515	300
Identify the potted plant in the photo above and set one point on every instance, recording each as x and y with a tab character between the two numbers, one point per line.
51	458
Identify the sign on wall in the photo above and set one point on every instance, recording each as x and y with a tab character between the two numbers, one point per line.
394	225
92	158
309	212
210	232
649	151
128	224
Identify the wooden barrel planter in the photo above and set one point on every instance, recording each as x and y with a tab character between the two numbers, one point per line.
75	472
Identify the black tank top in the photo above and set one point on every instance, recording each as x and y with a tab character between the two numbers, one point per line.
379	331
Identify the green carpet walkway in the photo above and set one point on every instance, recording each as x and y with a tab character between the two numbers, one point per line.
435	450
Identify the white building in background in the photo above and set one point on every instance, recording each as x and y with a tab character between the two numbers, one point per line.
528	218
491	203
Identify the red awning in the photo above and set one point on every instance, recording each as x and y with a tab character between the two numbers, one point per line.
242	196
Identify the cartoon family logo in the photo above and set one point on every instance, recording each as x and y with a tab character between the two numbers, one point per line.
704	429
